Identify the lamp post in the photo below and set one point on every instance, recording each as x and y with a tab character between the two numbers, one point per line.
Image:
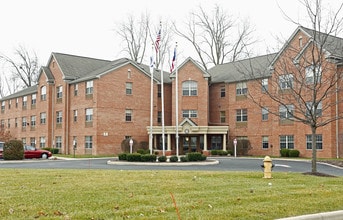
235	146
131	143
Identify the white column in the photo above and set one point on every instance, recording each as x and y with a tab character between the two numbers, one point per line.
205	142
169	143
224	141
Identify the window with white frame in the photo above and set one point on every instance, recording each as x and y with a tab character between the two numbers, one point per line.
265	142
43	93
313	74
286	81
42	142
286	112
189	113
16	122
190	88
16	102
89	87
24	101
42	118
3	103
24	141
222	91
222	117
241	88
89	114
59	117
264	114
23	122
310	108
75	115
33	121
76	89
88	142
33	99
33	142
128	86
8	123
287	141
58	140
319	141
264	84
9	103
59	92
241	115
128	115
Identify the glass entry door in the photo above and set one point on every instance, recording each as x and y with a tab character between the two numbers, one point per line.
189	144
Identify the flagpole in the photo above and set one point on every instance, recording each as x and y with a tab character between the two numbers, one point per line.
162	100
176	105
151	101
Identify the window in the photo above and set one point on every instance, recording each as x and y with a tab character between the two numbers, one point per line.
89	114
76	89
2	124
216	143
33	142
222	91
89	87
42	142
128	88
59	92
58	142
43	93
286	81
313	74
159	91
16	122
128	115
319	142
241	88
265	142
3	105
59	117
33	99
286	112
75	115
264	114
9	103
189	88
8	123
310	109
23	122
241	115
189	113
222	117
24	141
264	84
159	117
42	118
287	141
88	142
33	121
16	102
24	101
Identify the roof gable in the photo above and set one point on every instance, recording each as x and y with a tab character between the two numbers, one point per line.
189	59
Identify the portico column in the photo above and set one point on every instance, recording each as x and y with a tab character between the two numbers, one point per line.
169	143
205	142
224	142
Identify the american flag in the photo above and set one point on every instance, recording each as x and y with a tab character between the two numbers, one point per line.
157	42
173	61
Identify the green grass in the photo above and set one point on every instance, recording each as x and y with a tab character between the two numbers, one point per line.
115	194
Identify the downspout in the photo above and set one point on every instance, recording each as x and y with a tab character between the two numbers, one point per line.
337	120
67	120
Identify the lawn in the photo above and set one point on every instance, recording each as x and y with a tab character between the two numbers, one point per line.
114	194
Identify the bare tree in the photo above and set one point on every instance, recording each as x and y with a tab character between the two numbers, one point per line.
134	34
217	37
23	67
306	78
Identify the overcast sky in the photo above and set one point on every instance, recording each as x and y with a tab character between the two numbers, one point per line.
86	27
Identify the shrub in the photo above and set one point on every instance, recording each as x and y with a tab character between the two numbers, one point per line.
135	157
143	151
52	150
174	159
229	152
122	156
162	159
203	157
13	150
196	156
284	152
222	152
214	152
184	159
293	153
148	158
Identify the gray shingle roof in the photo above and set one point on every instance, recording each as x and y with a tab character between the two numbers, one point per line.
27	91
242	70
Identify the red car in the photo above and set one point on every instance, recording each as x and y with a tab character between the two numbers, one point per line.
32	152
1	148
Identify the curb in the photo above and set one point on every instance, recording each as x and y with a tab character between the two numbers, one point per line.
335	215
208	162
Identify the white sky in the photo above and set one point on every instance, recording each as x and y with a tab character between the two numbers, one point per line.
86	27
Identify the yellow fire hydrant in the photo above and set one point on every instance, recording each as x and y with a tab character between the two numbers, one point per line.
267	167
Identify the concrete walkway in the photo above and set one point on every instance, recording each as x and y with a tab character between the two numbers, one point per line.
335	215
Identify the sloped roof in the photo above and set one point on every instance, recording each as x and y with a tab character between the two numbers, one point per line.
189	59
27	91
74	67
242	70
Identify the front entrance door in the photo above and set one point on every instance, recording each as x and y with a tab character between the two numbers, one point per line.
190	144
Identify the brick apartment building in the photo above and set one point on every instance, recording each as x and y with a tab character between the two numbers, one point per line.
96	104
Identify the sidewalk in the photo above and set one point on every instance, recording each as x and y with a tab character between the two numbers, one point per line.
335	215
